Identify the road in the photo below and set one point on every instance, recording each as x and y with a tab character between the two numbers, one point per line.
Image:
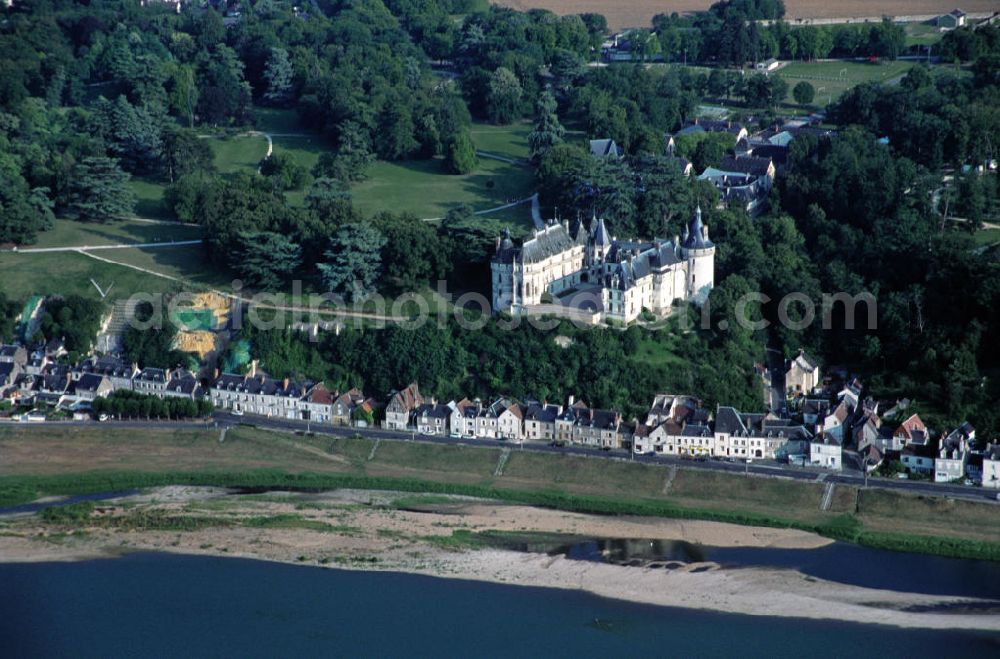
758	468
91	248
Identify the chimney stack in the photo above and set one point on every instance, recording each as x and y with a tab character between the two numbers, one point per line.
284	384
572	399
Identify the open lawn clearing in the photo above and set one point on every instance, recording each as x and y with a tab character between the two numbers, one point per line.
70	233
987	236
149	199
831	79
423	188
639	13
276	120
186	262
510	141
65	273
241	153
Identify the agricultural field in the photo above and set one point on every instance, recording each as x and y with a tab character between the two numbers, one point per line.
639	13
831	79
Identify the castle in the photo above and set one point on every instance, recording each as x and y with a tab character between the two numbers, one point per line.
588	274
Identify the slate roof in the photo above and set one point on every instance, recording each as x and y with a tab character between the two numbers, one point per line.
89	382
438	411
553	239
695	236
543	413
754	165
605	148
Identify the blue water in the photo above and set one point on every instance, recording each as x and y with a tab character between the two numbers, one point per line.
875	568
35	506
161	605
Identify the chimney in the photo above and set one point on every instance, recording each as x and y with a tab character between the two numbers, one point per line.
253	369
498	245
284	384
704	231
572	399
215	374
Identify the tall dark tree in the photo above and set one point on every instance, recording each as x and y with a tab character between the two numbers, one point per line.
98	191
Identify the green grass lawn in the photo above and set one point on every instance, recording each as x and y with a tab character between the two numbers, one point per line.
831	79
69	233
421	187
187	263
149	199
275	120
510	141
240	153
921	34
987	236
67	273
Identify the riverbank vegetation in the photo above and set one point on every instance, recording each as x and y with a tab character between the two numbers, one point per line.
120	459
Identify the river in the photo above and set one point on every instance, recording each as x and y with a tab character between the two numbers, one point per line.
164	605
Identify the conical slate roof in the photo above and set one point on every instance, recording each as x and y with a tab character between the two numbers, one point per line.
697	237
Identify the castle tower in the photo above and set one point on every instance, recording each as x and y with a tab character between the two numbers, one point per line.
503	267
699	252
599	243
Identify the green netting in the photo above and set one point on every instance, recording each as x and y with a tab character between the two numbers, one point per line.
236	357
24	321
192	320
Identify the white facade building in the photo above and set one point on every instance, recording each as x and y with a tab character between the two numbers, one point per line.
591	275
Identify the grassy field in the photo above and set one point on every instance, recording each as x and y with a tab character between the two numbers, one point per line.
51	461
421	187
987	236
510	141
66	273
831	79
68	233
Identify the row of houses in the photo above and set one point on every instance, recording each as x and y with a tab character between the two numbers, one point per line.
818	433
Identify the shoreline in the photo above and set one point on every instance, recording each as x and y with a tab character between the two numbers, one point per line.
361	530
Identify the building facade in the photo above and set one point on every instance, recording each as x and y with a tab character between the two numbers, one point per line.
595	276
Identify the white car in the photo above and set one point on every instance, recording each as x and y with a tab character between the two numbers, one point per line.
237	412
103	417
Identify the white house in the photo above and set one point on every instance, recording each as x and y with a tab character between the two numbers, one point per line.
825	451
991	467
953	456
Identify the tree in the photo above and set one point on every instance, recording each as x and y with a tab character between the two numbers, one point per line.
460	157
412	252
192	196
354	261
134	135
266	259
394	139
185	153
278	75
548	131
98	191
327	196
23	211
283	172
352	156
804	93
503	100
151	346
